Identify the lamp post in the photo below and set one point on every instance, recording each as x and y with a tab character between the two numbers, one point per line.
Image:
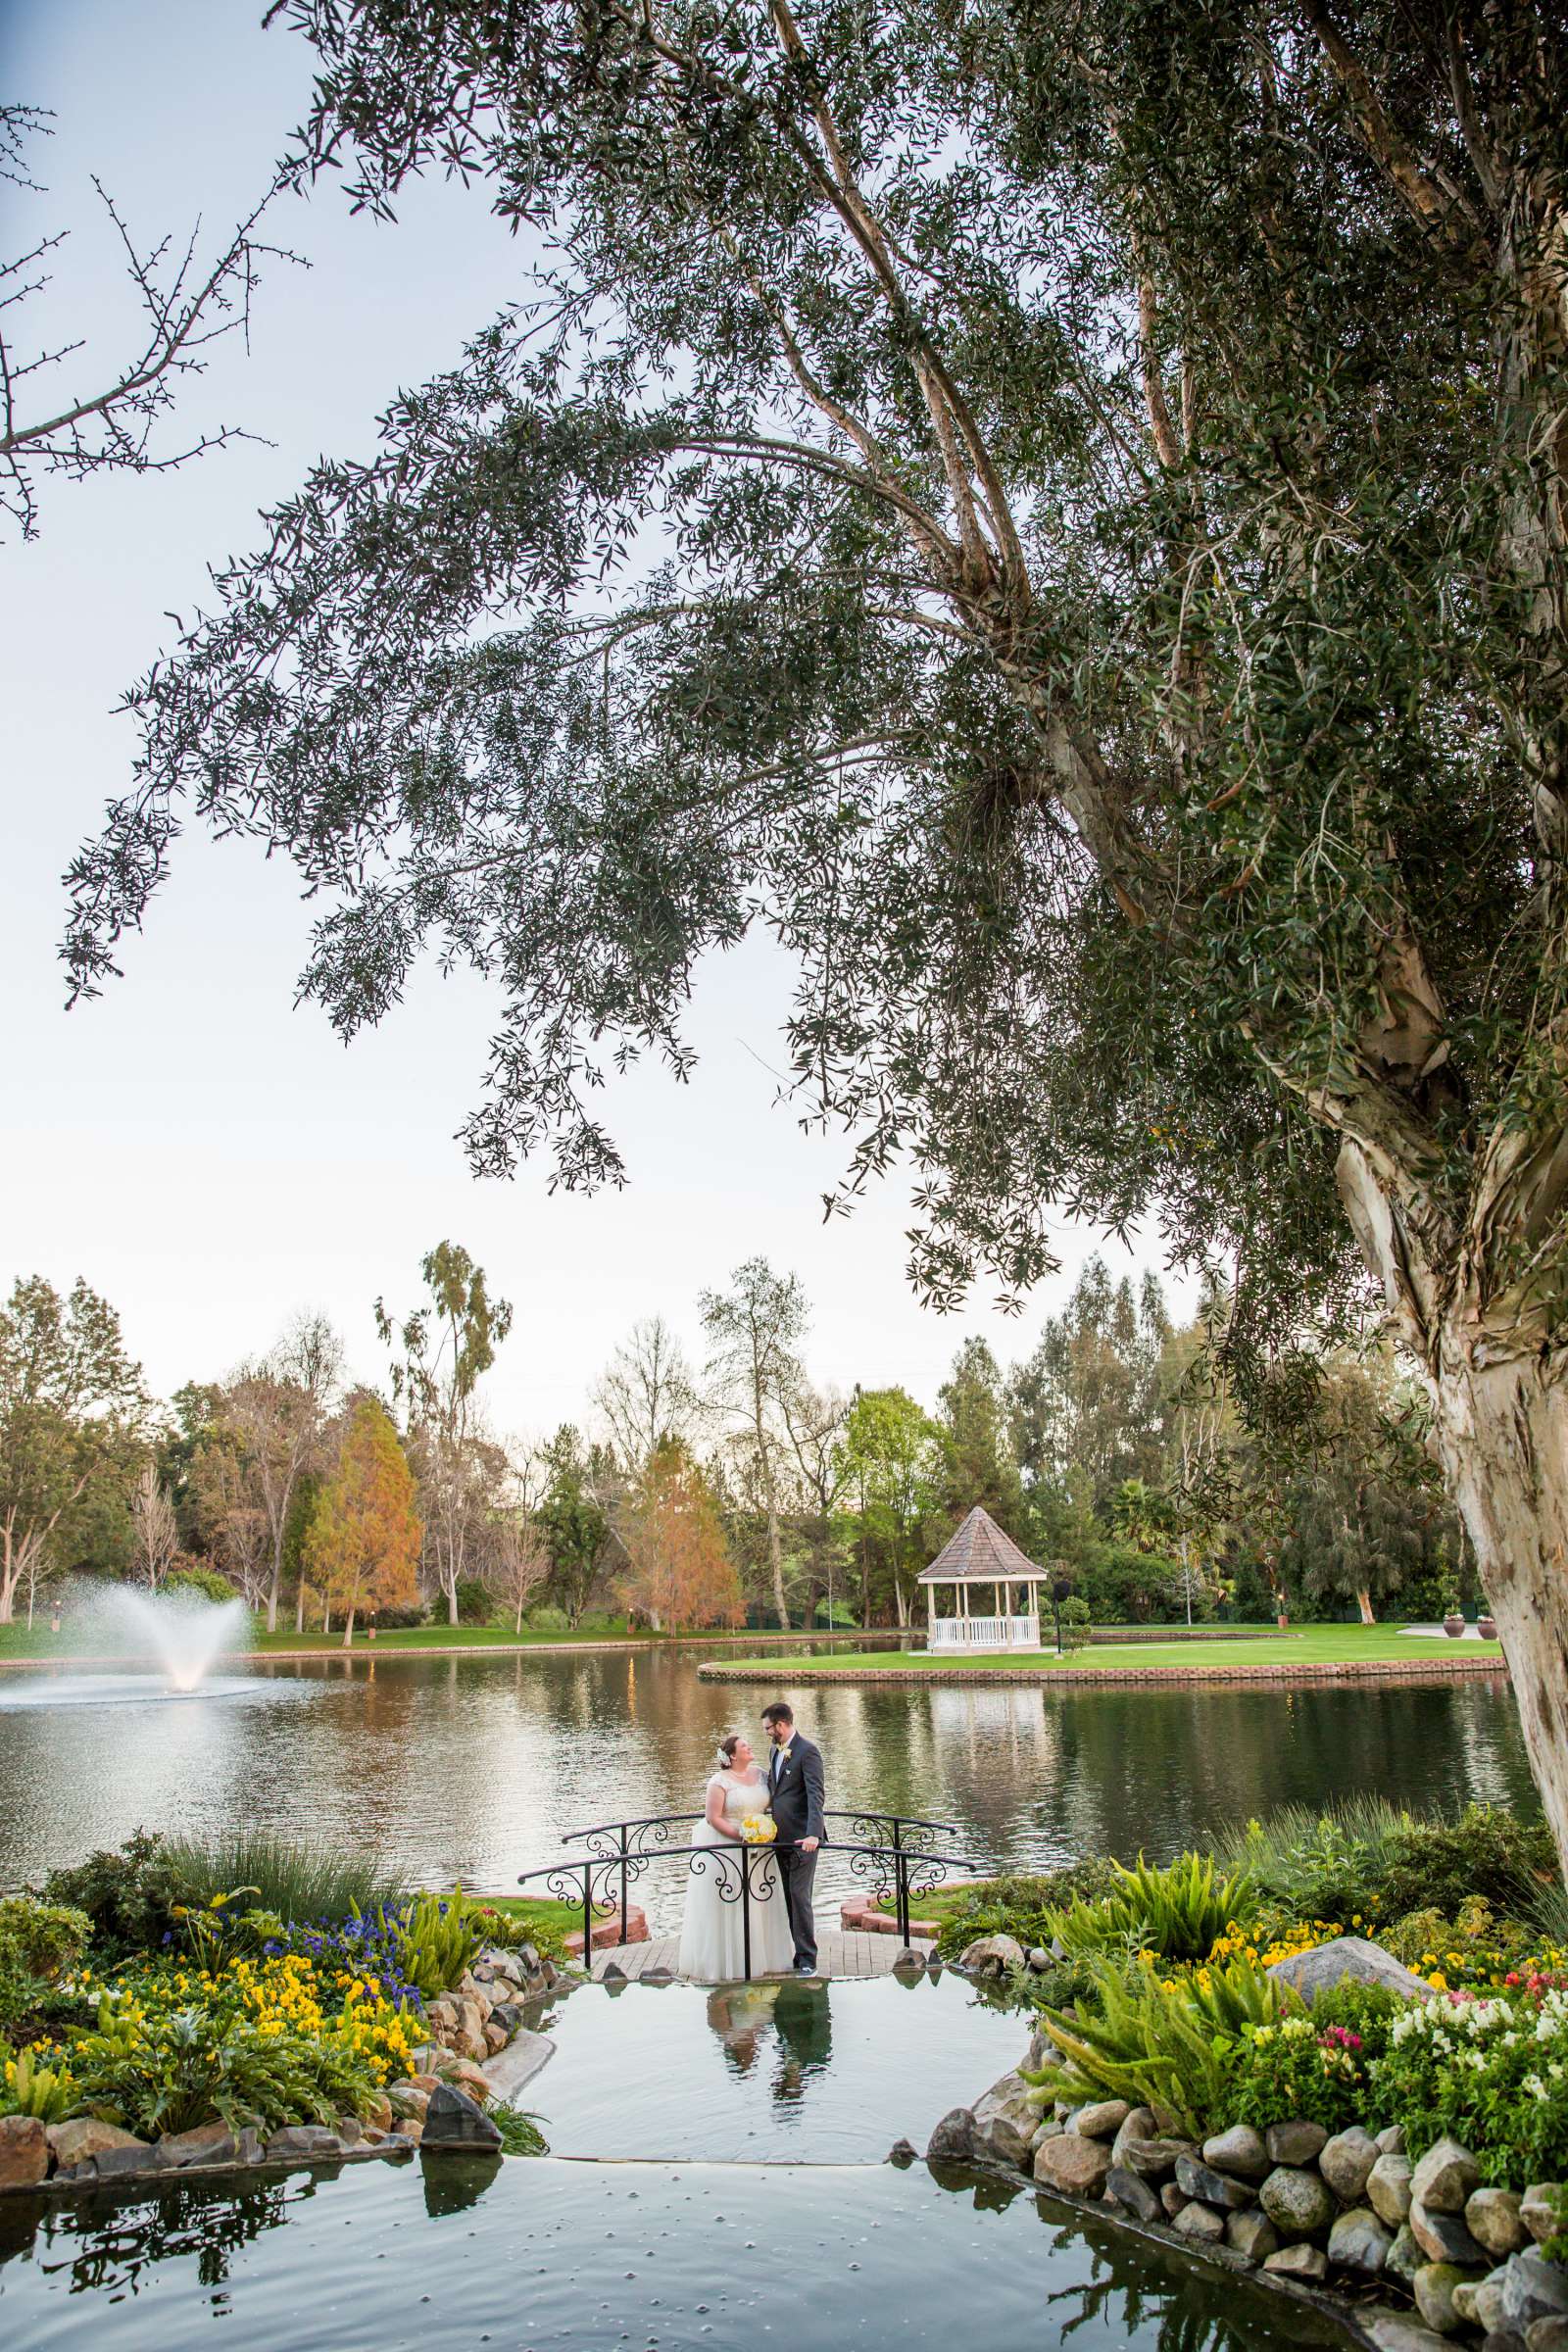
1060	1587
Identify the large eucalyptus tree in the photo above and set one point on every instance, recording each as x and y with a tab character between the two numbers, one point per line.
1059	509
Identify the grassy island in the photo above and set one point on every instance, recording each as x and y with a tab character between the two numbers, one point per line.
1317	1649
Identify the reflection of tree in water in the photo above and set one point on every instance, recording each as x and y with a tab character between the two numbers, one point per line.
114	2243
1137	2294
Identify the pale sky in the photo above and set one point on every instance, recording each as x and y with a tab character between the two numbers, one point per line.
205	1154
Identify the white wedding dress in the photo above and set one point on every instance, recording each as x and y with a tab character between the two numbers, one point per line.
712	1937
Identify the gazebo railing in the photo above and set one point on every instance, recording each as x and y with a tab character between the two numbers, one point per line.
621	1852
983	1632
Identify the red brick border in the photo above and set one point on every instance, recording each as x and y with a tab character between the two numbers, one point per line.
1364	1670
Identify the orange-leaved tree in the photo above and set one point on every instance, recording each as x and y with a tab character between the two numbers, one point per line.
679	1571
363	1543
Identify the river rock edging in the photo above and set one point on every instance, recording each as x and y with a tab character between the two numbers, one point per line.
1341	2218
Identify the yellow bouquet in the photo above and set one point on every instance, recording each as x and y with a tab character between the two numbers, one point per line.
758	1829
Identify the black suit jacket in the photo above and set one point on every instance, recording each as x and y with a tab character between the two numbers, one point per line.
798	1792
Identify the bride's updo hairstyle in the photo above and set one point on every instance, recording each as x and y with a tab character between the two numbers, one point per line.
724	1753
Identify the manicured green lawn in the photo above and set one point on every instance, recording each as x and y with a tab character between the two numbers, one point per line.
547	1922
1310	1645
15	1641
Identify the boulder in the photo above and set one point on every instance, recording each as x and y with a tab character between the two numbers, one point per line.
1305	2264
75	2142
1295	2142
1444	2178
1548	2336
904	2153
1345	2163
471	2017
312	2144
1533	2288
1006	2121
455	2122
1102	2119
1298	2202
1397	2331
209	2144
1214	2189
1484	2298
509	2017
1434	2283
1388	2190
1039	1959
1391	2139
1048	2128
464	2077
1327	1964
1173	2200
1152	2159
381	2114
1133	2194
407	2098
1444	2237
1359	2242
1253	2236
441	2015
411	2129
496	2038
952	2141
1492	2217
24	2151
1201	2223
129	2162
1079	2167
1139	2123
1538	2209
1240	2150
1405	2257
992	1955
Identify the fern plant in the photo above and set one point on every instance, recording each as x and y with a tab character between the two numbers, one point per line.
438	1936
1177	1911
1168	2043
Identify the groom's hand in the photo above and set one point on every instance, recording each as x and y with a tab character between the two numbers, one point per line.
807	1846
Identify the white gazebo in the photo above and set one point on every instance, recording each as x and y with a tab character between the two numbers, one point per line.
981	1563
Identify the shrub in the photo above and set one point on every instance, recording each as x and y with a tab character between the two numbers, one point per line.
547	1619
48	1938
128	1896
201	1584
402	1619
296	1882
1177	1912
170	2071
35	2082
21	1991
544	1923
475	1602
1020	1905
1492	2074
1366	1856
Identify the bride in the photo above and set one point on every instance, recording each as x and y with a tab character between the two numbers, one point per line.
711	1945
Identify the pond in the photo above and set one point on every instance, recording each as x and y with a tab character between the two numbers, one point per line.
477	1767
546	2256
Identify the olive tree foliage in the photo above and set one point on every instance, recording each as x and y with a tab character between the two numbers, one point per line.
1107	484
108	417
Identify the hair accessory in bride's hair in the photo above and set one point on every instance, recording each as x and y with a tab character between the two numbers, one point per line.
724	1753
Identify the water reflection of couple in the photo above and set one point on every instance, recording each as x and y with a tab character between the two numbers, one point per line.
795	2018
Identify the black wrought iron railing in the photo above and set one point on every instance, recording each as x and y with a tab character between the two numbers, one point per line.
618	1853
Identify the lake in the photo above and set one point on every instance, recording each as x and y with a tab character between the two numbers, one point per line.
474	1768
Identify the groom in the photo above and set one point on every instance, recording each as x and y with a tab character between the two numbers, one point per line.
795	1792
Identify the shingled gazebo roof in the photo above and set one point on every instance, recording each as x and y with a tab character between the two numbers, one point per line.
980	1552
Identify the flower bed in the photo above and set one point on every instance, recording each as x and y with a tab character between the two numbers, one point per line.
156	2031
1388	2116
